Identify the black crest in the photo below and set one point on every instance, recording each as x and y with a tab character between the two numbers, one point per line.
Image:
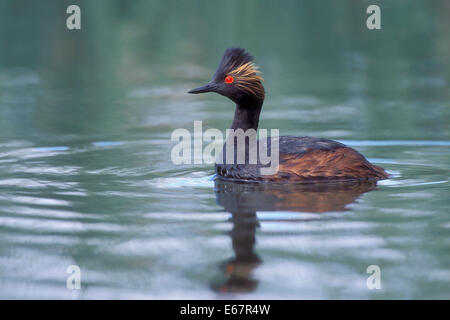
233	58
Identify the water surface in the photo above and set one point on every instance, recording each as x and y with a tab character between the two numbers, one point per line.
85	171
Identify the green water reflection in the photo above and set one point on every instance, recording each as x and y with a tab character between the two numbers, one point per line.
85	171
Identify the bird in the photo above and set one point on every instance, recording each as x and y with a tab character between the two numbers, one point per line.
301	159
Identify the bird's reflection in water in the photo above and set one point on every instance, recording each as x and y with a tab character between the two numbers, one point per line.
243	200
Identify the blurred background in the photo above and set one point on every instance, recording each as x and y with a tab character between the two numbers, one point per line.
85	172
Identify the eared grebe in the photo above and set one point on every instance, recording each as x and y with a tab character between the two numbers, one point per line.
301	159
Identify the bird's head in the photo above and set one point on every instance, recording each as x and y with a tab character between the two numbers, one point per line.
237	78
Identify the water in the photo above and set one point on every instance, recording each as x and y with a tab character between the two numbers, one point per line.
85	171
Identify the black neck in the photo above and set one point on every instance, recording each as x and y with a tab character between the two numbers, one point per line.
246	115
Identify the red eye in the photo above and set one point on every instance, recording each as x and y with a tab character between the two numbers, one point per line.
229	79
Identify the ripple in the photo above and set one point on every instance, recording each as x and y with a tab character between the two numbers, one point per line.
183	182
52	225
37	152
307	242
409	183
107	143
48	213
36	183
35	200
45	170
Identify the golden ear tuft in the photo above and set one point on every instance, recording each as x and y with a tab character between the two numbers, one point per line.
248	71
248	78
